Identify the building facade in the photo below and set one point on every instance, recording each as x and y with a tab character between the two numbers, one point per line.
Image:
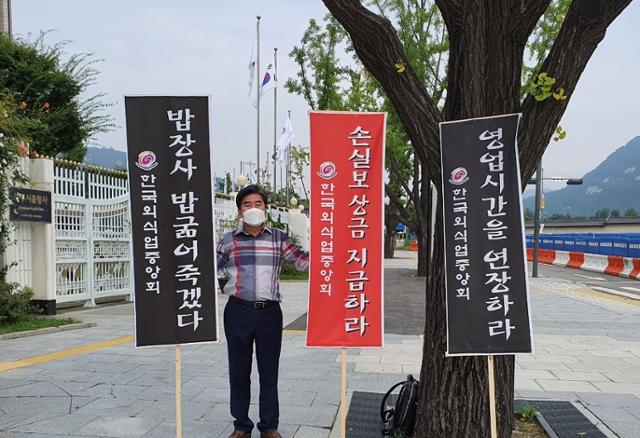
5	16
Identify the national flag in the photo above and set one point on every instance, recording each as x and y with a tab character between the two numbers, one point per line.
286	137
268	82
252	70
252	176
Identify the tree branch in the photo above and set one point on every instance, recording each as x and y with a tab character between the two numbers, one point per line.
525	14
306	86
584	27
451	11
378	47
395	168
397	203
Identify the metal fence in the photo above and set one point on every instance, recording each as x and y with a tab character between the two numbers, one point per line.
623	245
91	239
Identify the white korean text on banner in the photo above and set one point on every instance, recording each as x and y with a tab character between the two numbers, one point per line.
171	213
346	248
486	279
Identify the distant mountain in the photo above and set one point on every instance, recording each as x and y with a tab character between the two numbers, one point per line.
614	184
106	157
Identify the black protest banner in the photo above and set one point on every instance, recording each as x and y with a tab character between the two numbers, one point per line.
172	219
486	279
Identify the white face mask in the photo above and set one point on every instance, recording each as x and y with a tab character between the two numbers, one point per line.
254	217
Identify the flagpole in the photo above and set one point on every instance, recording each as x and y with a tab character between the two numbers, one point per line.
259	80
275	116
287	164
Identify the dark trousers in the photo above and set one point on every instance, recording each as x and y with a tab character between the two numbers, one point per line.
243	326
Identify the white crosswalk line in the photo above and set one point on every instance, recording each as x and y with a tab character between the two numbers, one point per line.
590	277
616	292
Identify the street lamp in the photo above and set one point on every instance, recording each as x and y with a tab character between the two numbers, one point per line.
536	220
242	180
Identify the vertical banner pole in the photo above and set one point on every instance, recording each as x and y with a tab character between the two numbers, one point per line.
492	397
275	120
343	394
259	82
178	391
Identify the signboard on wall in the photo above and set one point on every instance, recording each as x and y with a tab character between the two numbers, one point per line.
30	205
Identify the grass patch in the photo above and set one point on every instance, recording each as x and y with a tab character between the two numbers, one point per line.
527	425
528	429
297	275
29	322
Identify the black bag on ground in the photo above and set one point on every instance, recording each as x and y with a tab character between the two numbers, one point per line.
399	419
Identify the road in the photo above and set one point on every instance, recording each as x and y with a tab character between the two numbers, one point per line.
602	282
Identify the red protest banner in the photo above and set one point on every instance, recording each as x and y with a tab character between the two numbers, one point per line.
346	247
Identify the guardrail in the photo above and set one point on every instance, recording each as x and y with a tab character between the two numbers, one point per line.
604	264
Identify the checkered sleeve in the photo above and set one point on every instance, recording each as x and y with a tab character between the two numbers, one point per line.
223	251
294	254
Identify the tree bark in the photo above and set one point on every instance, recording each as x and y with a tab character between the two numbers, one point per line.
422	259
389	239
423	205
392	217
487	41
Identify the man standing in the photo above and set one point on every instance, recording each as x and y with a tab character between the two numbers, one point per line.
252	254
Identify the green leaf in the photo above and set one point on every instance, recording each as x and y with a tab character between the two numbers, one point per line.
542	96
559	94
549	81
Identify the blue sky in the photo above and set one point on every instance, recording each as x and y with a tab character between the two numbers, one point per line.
203	47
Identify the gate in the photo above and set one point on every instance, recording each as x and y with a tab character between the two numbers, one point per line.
92	233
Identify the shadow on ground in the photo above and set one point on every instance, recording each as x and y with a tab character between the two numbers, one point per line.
404	303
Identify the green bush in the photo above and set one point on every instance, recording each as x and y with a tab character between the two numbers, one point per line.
527	413
15	302
289	272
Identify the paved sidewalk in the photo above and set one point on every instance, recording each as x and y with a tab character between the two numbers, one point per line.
587	351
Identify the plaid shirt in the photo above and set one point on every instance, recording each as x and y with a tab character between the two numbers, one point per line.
253	262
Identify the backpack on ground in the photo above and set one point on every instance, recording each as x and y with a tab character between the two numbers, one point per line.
399	419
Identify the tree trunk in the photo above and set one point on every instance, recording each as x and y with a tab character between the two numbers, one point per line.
487	41
422	250
423	204
391	220
389	240
455	394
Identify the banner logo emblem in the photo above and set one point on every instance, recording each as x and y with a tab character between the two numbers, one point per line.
146	160
459	176
327	170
